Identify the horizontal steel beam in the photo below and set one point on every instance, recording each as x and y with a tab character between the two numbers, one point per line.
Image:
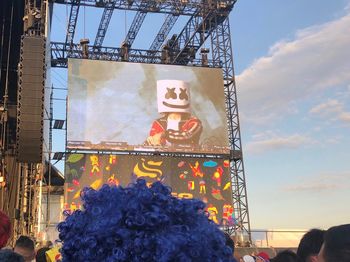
60	52
176	7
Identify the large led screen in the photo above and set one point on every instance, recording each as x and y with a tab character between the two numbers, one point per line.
145	107
205	179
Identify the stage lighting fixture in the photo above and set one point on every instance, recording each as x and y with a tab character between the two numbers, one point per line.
165	57
192	53
58	155
99	3
58	124
235	155
84	47
204	53
171	41
36	13
124	52
222	4
2	181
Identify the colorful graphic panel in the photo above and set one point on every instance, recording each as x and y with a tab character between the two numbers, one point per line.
205	179
145	107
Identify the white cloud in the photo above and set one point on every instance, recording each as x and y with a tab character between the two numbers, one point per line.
331	108
316	187
345	116
333	140
264	144
317	59
321	182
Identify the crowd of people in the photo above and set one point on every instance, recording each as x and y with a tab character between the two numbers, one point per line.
332	245
146	223
25	249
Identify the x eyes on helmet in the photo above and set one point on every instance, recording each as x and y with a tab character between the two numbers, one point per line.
173	95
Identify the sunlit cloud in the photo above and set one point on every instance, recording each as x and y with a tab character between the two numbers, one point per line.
333	140
331	108
345	116
312	187
314	61
263	144
321	183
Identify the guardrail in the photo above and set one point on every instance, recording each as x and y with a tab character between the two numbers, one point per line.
277	238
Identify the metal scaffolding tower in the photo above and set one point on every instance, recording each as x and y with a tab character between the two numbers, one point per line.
168	24
105	19
137	23
207	32
19	187
73	17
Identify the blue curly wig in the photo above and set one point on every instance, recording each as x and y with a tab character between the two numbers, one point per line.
140	223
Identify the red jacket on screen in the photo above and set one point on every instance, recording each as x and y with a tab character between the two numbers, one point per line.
190	129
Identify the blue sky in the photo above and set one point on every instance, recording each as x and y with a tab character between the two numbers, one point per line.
292	64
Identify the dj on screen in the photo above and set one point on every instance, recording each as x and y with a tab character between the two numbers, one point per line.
176	126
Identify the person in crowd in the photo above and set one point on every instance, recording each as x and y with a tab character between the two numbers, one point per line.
7	255
262	257
247	258
53	255
47	243
310	245
5	229
25	247
286	256
41	254
336	245
140	223
230	243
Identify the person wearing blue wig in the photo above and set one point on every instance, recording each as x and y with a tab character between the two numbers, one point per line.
140	223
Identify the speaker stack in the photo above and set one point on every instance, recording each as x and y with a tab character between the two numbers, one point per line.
30	102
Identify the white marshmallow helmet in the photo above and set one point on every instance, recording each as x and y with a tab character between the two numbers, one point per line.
173	96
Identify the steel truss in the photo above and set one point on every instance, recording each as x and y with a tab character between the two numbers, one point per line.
27	206
73	17
168	24
148	153
137	22
134	28
222	51
208	22
185	46
19	196
190	7
59	55
105	19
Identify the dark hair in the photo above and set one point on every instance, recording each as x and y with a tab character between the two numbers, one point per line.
41	254
310	244
25	242
140	223
286	256
5	229
229	242
336	245
7	255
